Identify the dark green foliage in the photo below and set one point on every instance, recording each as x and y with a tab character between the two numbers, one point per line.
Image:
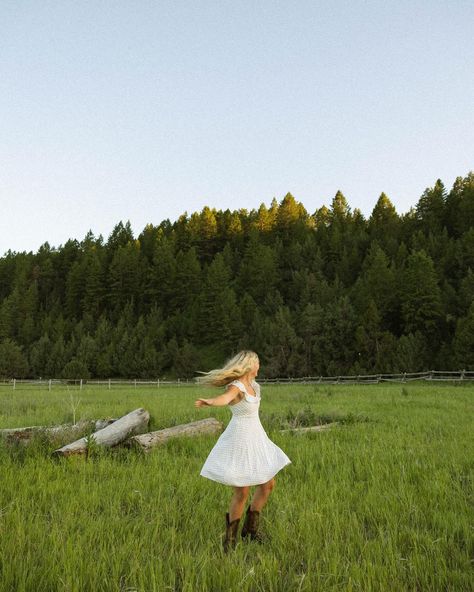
327	293
464	340
12	359
420	295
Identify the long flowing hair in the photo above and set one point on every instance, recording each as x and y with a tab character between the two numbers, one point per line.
234	367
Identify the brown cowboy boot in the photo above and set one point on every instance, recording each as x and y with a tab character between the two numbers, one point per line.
250	527
230	540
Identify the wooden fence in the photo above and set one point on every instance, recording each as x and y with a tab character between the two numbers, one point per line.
80	383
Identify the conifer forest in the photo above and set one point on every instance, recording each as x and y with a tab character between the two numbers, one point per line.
322	293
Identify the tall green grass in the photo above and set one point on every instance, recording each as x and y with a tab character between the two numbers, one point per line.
383	501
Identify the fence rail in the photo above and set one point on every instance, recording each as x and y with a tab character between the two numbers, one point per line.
431	375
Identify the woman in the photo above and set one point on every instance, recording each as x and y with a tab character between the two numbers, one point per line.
243	455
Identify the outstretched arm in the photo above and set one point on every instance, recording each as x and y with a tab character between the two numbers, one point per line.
219	401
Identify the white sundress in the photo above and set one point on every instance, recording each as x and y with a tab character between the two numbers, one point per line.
244	454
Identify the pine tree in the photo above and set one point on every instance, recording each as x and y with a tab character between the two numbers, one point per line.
248	311
467	249
6	318
202	228
282	352
340	210
57	358
75	369
187	279
263	220
460	206
181	233
47	282
411	354
74	290
420	295
185	361
383	225
292	220
374	346
93	294
430	209
38	356
103	338
13	362
309	326
124	277
334	348
377	282
161	277
121	236
463	343
258	271
7	273
216	302
149	236
86	354
466	293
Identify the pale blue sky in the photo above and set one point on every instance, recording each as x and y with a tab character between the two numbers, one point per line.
113	110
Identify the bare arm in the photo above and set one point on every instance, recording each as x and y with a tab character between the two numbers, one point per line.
219	401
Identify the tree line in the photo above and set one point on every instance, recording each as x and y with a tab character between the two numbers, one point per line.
325	293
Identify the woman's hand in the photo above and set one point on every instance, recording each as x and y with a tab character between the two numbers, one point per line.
202	403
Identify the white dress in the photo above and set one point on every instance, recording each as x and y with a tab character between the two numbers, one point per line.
244	454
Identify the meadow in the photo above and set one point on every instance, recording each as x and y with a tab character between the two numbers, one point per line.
382	501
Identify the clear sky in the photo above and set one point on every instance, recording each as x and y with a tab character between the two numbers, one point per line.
140	111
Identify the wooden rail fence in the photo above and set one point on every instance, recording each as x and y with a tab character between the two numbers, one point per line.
80	383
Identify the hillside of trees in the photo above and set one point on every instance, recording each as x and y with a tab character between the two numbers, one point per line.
313	294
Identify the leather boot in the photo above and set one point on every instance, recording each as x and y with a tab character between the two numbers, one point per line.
230	540
250	527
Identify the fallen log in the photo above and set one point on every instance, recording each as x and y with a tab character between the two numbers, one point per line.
132	423
24	434
209	425
316	428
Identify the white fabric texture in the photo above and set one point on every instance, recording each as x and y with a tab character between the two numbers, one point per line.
244	454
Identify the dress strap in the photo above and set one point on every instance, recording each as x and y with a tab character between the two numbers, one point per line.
241	385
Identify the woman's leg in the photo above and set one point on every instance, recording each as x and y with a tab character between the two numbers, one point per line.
261	494
238	502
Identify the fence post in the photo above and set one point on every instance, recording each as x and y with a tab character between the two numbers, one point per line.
462	374
49	384
179	383
80	387
135	381
14	383
158	383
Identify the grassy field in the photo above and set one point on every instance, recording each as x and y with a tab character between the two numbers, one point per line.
383	501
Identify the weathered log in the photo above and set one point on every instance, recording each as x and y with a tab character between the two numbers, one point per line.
209	425
132	423
316	428
26	433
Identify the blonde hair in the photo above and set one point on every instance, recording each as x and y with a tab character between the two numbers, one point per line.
234	368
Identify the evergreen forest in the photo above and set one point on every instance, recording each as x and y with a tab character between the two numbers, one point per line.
324	293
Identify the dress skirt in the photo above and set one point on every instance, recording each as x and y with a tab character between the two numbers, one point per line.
244	454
